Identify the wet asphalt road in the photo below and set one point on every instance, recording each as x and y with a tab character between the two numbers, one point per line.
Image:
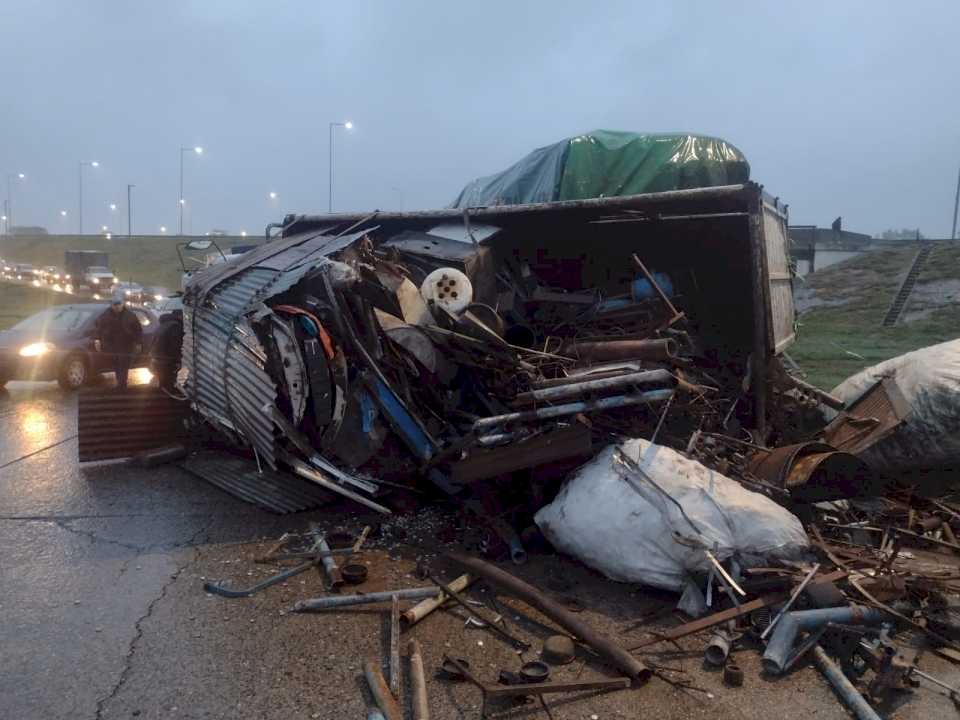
103	615
87	553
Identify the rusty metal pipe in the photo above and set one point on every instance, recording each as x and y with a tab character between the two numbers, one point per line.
330	565
423	608
606	647
662	350
418	683
590	385
381	693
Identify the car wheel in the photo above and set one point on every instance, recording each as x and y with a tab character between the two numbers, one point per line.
73	372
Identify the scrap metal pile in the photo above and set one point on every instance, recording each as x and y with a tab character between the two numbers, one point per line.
373	357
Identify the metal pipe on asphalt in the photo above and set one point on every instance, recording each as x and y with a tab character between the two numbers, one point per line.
418	683
381	693
395	646
329	565
606	647
845	689
338	601
781	641
419	611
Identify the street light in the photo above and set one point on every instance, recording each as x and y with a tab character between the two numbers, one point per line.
197	150
83	164
346	126
273	195
9	202
163	229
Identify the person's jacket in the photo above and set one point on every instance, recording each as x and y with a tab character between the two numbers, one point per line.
118	332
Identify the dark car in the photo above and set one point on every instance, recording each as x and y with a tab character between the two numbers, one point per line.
57	344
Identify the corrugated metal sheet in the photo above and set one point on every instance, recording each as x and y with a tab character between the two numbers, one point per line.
272	490
113	425
225	362
779	277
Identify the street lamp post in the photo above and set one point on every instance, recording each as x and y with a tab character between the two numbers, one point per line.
129	212
9	209
956	205
83	164
347	126
198	151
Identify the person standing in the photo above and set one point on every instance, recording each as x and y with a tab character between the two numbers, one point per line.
119	335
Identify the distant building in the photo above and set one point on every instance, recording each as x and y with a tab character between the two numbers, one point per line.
28	230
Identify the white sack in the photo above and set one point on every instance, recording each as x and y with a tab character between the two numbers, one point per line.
929	380
642	537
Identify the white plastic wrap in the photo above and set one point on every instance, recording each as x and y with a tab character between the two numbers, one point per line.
929	380
623	526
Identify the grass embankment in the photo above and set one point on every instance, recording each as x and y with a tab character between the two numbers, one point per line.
21	301
146	259
857	293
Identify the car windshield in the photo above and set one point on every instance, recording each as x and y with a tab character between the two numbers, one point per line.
99	270
59	319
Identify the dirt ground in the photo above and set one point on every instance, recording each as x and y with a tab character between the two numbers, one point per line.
103	612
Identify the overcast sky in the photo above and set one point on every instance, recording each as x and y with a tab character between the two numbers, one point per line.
842	108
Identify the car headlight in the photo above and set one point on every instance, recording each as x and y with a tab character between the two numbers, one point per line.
36	349
95	281
158	298
66	277
128	292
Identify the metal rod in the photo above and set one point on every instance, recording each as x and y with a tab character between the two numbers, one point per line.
501	691
395	646
789	603
655	285
305	471
490	624
338	601
573	408
219	589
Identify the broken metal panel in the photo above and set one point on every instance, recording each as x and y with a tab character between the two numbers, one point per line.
869	419
273	490
781	314
113	425
571	442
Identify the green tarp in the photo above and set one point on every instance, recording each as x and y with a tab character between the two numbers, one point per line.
607	163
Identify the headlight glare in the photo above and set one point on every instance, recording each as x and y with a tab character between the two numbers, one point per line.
36	349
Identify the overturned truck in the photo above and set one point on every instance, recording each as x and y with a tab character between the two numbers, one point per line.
451	350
